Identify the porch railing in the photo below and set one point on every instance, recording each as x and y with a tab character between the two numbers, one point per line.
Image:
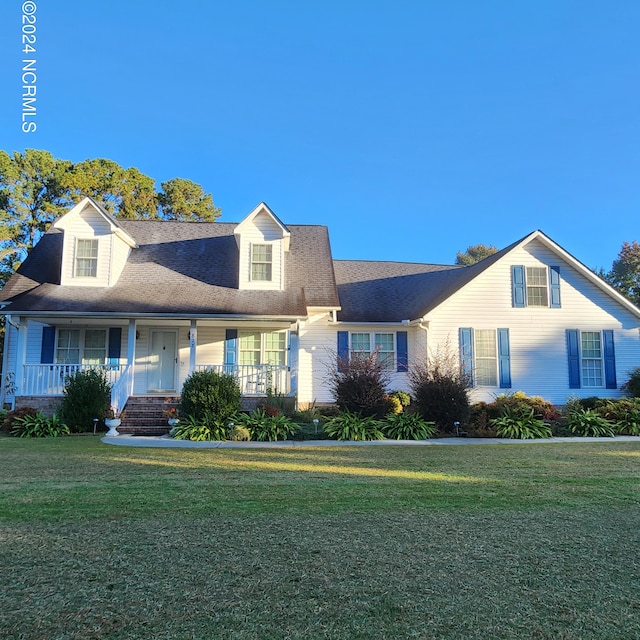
255	380
49	379
122	388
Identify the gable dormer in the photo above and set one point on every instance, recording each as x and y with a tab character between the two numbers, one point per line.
263	240
95	248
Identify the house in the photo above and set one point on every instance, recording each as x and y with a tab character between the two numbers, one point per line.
152	301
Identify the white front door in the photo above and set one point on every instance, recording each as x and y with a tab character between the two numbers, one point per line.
162	361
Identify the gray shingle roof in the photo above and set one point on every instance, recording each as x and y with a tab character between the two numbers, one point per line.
179	267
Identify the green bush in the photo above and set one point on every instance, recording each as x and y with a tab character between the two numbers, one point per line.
210	396
39	426
520	423
359	385
87	395
542	409
403	396
12	416
586	422
198	430
408	426
440	390
264	427
623	413
632	385
353	426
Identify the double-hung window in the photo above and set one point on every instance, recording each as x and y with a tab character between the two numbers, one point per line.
86	258
257	348
81	346
592	359
485	356
364	344
261	262
535	286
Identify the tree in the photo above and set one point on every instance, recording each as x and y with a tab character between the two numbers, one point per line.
475	253
126	193
32	195
625	272
182	199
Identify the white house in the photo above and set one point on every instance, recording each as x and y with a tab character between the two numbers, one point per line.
152	301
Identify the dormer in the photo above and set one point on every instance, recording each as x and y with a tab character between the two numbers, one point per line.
95	247
262	241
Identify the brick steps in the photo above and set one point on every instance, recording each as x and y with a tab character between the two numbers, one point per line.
143	415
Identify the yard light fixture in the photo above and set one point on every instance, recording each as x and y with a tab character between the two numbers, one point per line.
315	424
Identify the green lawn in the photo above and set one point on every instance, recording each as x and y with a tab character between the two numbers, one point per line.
520	541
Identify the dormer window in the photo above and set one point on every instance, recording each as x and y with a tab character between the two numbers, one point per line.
261	262
86	258
537	287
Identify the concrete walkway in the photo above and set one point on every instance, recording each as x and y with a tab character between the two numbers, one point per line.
170	443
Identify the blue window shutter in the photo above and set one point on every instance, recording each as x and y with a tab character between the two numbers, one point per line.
554	282
466	351
294	342
504	356
573	353
230	350
48	345
518	286
609	359
343	349
403	351
115	343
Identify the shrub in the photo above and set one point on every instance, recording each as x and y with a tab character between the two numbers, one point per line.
353	426
210	396
198	430
542	409
12	416
520	423
359	385
238	433
403	396
87	395
393	404
39	426
408	426
632	385
479	425
586	422
623	413
440	389
278	403
264	427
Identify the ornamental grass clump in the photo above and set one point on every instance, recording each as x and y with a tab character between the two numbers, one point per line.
520	424
408	426
354	426
264	427
588	423
199	430
39	426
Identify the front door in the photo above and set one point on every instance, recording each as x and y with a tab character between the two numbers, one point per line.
162	361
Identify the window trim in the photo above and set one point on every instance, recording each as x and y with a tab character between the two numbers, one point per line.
392	362
519	286
92	258
81	345
263	350
584	359
268	262
467	346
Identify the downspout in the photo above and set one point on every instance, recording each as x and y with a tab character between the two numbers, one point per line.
5	359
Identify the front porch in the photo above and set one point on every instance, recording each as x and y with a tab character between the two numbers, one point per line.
151	358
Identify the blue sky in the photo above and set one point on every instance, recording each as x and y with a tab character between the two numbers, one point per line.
411	128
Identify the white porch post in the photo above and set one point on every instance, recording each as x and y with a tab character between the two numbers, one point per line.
131	354
21	354
193	343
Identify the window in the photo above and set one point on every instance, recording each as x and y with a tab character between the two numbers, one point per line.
261	262
263	348
485	355
383	344
535	286
592	359
486	368
81	346
87	258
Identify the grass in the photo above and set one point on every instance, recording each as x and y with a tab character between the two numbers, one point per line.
519	541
